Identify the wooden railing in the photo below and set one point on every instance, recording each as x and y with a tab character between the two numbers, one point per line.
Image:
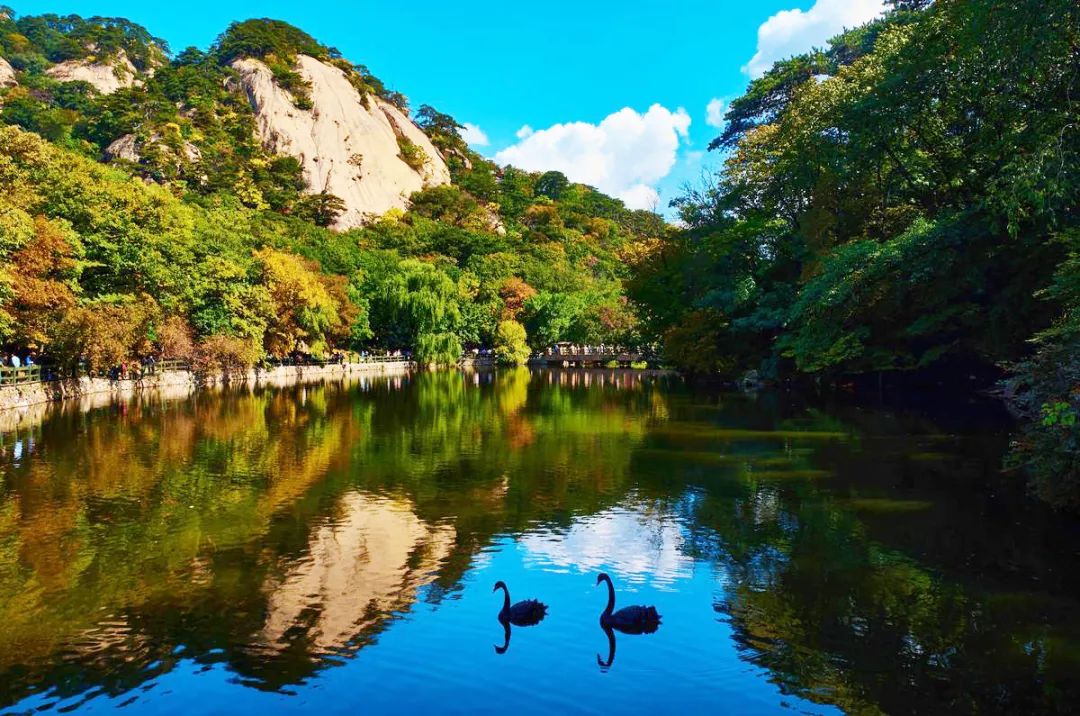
10	375
582	358
168	365
24	375
382	359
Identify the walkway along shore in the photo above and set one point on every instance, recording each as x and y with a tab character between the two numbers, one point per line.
18	397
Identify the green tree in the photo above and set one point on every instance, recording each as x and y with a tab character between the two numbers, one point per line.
549	317
511	346
321	209
423	305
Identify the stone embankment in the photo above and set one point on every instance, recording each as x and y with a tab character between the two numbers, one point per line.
180	382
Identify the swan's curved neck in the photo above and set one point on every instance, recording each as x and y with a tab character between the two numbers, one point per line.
610	595
506	598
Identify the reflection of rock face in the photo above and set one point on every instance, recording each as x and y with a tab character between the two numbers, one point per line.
106	77
346	148
360	568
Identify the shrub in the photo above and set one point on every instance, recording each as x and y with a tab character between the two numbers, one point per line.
1047	398
228	354
411	153
694	345
511	347
1045	392
291	81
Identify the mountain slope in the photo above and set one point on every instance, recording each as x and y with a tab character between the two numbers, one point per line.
267	196
347	147
268	114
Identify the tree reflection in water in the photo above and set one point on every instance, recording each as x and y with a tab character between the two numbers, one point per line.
864	558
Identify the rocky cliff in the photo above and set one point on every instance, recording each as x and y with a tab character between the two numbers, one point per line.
106	76
7	74
349	146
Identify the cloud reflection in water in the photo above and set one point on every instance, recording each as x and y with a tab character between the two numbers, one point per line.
637	541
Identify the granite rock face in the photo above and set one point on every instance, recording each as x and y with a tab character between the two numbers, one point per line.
348	145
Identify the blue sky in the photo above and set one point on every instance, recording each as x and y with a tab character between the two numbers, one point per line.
615	93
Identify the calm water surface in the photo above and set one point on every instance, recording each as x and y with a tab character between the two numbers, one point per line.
333	548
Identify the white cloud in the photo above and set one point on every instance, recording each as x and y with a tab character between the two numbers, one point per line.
714	113
640	196
525	131
790	32
624	155
473	135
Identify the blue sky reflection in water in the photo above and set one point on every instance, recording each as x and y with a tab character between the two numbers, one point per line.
333	548
444	655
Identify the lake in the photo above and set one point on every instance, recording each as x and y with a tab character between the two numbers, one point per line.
333	548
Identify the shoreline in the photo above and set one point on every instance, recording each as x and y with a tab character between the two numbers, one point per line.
26	405
180	382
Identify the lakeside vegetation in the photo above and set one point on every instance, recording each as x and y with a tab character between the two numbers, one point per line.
217	255
899	203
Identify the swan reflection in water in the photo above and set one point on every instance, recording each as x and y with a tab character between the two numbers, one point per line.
506	638
605	665
525	613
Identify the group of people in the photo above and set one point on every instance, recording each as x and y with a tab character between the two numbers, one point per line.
136	369
13	360
145	366
391	354
49	372
338	357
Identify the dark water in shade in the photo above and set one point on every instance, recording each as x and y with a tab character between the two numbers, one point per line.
332	549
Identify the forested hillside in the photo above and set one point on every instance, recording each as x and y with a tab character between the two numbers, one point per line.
145	216
903	201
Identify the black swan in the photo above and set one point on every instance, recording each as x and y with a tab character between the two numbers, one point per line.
628	620
524	613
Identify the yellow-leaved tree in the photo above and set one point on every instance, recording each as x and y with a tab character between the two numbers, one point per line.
305	311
